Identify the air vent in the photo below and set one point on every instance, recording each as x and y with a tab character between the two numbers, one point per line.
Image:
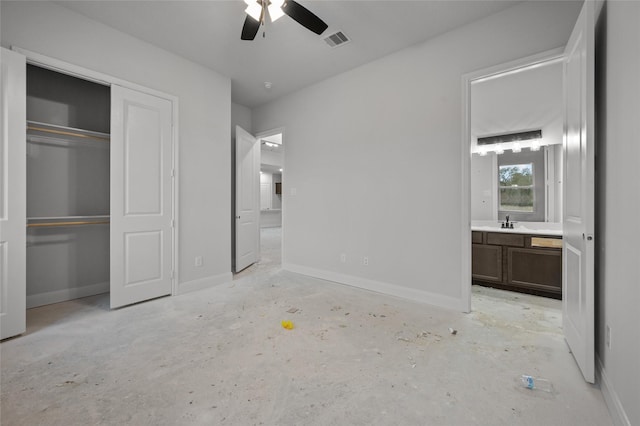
336	39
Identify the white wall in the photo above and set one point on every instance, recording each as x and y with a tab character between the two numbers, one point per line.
374	155
618	206
205	105
272	158
484	187
240	116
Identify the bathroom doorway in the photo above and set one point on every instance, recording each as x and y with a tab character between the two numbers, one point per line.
515	134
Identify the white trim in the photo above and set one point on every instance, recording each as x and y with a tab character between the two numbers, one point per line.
611	398
381	287
86	73
203	283
66	294
467	79
108	80
465	200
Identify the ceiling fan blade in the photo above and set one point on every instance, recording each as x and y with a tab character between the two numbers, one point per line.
304	17
250	28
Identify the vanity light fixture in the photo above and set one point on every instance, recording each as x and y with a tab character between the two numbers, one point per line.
516	147
499	150
535	145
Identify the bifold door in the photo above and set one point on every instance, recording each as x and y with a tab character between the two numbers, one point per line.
13	194
141	196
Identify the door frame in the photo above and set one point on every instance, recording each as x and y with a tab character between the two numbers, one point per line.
73	70
266	134
512	66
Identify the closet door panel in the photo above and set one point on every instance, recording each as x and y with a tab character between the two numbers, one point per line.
141	201
13	204
143	160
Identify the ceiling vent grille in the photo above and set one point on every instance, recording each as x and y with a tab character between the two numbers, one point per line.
336	39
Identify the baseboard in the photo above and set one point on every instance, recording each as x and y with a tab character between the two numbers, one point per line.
202	283
57	296
616	409
380	287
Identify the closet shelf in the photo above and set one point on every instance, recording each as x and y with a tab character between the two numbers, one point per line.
59	221
47	133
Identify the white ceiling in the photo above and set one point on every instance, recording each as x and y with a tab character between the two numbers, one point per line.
290	57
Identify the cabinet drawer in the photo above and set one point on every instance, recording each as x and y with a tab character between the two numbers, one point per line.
504	239
546	242
476	237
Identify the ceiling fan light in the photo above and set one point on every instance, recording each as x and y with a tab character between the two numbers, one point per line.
275	11
254	10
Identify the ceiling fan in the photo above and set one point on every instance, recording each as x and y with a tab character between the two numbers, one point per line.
257	11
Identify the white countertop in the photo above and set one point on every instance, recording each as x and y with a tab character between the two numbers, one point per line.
533	228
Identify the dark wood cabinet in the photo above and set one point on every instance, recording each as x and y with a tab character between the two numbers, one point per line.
519	262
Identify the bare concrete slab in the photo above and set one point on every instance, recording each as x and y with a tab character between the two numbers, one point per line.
221	356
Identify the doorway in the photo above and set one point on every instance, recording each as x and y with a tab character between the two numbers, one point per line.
514	137
272	154
262	176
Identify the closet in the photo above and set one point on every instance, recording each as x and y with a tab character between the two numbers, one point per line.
68	181
87	190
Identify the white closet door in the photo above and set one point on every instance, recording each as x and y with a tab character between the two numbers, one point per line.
141	196
13	194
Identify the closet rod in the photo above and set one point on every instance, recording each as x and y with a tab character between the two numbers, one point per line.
53	224
62	132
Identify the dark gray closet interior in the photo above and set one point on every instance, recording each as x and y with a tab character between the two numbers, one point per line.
68	122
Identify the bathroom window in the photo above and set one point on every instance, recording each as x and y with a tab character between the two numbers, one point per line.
516	188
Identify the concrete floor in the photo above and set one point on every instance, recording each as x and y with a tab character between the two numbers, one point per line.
220	356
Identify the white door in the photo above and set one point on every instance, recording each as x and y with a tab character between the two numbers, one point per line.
141	196
13	194
247	199
578	190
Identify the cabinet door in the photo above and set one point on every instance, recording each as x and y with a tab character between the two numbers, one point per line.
141	197
13	198
535	269
486	263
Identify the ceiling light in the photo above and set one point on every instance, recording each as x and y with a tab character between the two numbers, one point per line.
254	9
275	10
280	169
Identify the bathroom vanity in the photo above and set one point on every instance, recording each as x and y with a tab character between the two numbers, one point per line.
526	259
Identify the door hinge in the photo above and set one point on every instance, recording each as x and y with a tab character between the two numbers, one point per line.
173	172
173	223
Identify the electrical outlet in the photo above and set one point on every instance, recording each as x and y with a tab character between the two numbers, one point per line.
607	336
365	261
343	258
198	261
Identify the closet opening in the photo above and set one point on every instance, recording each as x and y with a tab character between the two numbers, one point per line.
68	187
